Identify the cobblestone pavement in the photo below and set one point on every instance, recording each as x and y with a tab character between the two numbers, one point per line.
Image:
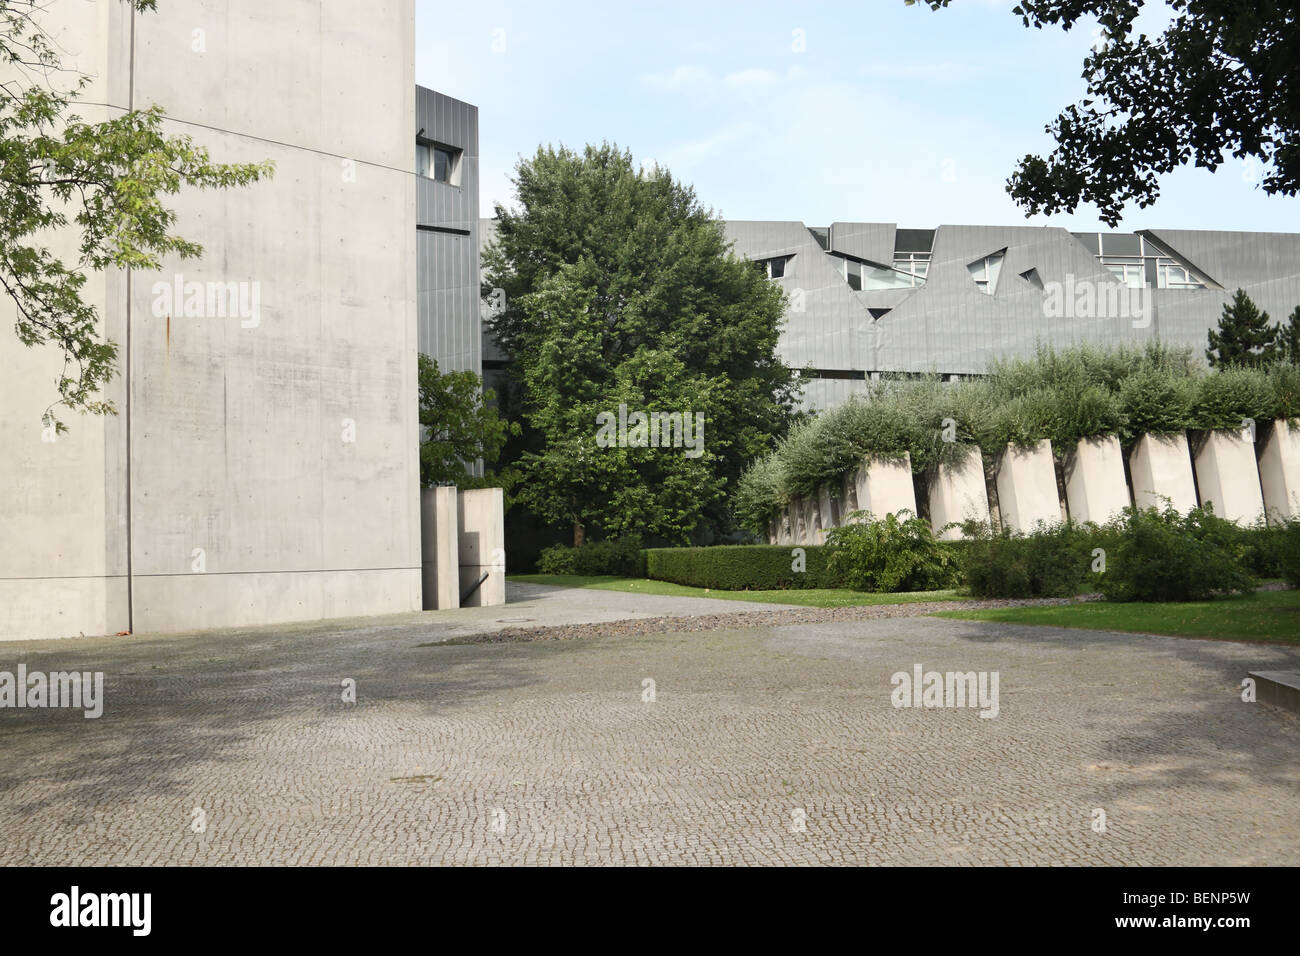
773	744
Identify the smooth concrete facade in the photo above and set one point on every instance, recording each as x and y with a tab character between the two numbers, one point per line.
1279	472
262	466
958	493
1160	467
481	523
1227	475
1026	483
1095	487
440	547
882	486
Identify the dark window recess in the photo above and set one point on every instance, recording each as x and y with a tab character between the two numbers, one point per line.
879	313
1033	278
849	373
913	240
1089	241
778	268
854	277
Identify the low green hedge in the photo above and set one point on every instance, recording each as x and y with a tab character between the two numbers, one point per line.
742	567
622	557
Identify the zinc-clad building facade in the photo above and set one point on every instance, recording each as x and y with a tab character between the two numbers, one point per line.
447	231
869	298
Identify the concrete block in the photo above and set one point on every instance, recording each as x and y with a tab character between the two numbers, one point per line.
1161	467
810	520
1279	473
440	547
957	493
849	496
481	519
1280	688
788	523
827	510
1027	487
1228	477
885	487
1095	489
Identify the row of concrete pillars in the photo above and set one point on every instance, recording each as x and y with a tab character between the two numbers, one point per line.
1243	479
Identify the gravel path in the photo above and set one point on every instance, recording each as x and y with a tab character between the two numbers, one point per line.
764	618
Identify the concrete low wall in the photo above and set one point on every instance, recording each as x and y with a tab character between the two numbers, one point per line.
958	493
1027	487
440	548
1095	489
809	521
1279	473
1160	467
1227	476
480	514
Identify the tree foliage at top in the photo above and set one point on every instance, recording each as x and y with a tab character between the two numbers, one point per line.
1221	79
621	289
105	180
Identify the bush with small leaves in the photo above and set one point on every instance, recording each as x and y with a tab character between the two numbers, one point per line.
896	553
1168	556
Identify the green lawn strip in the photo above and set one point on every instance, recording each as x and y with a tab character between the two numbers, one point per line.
1262	616
812	597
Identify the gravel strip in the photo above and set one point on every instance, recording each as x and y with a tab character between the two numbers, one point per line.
716	622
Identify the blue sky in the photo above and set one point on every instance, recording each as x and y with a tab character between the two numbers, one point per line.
889	113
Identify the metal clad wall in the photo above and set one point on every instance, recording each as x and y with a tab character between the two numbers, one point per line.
949	326
447	262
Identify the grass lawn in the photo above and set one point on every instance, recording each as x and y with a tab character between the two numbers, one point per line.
811	597
1263	616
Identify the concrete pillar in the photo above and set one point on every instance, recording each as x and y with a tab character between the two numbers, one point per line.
885	487
810	520
826	509
481	512
439	548
1161	467
1228	476
1095	489
1027	487
849	496
1279	473
787	525
957	493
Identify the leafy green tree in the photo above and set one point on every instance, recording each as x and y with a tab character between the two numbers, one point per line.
1245	337
458	426
1220	80
105	180
620	289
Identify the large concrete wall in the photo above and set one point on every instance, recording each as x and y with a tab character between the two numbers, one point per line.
271	459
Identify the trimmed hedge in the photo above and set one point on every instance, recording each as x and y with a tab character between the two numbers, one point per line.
622	557
743	567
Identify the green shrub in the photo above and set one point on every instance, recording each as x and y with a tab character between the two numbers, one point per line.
1288	549
898	553
1230	395
743	567
1261	546
617	556
1157	401
1053	561
1166	556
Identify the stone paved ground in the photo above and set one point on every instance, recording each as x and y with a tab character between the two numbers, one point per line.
773	744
